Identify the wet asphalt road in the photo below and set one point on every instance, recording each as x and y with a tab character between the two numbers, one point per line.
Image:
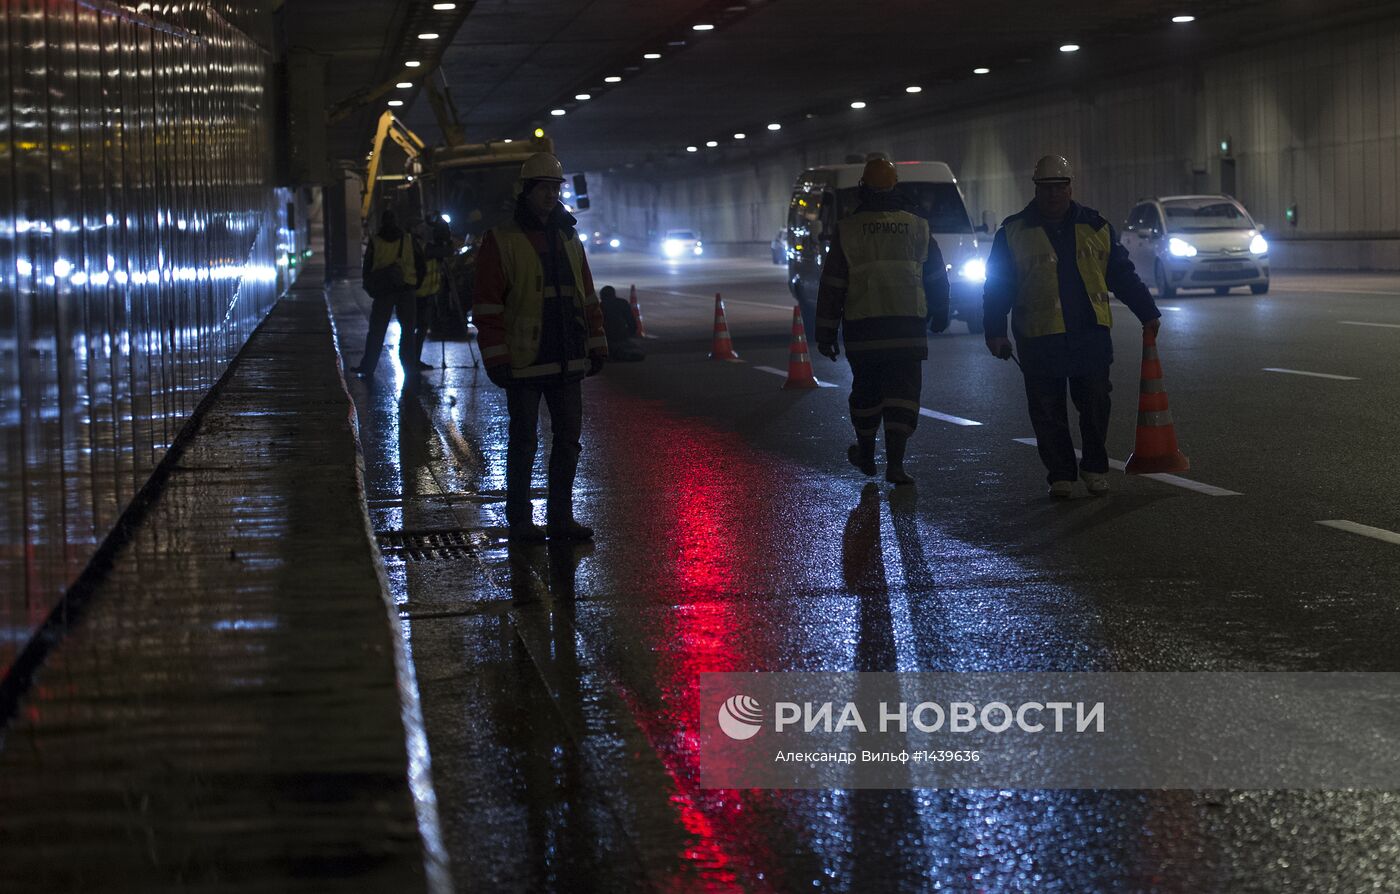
559	685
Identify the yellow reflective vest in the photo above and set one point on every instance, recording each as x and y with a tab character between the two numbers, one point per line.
1037	310
400	252
885	251
432	278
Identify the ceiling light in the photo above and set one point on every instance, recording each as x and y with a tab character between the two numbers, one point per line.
557	113
651	56
692	148
740	136
507	140
702	27
428	35
396	102
775	126
913	88
1182	20
612	79
444	7
404	85
981	71
583	97
858	105
1069	48
712	144
412	63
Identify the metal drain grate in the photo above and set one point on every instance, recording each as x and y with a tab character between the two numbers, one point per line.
426	546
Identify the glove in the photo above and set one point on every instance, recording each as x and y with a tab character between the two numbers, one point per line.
499	374
595	365
1000	347
1153	325
828	349
938	316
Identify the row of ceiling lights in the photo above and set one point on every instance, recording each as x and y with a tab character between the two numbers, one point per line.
912	88
414	63
617	79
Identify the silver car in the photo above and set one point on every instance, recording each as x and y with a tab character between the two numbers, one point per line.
1197	242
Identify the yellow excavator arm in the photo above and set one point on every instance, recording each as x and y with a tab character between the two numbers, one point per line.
396	130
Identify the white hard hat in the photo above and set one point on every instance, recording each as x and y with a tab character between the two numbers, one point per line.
542	166
1052	169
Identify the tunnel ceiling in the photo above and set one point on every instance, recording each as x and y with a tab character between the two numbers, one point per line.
766	61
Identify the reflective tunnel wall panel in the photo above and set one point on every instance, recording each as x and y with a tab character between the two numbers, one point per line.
1311	122
140	244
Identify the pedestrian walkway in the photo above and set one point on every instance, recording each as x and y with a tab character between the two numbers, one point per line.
229	708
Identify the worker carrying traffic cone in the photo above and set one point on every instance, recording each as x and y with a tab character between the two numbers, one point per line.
637	312
722	349
882	314
1052	267
799	360
1155	449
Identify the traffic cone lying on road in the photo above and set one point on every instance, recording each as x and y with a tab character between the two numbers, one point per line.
1156	449
723	348
637	312
799	360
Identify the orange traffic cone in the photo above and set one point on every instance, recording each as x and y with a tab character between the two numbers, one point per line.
637	312
1156	449
723	348
799	361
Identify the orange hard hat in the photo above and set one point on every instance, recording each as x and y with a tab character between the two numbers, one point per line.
879	173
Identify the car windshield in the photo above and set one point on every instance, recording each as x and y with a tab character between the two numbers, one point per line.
938	203
679	234
1210	213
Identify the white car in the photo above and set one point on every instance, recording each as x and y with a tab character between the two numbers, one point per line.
1197	242
681	244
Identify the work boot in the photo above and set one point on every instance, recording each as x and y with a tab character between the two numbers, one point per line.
895	442
862	456
569	530
1097	482
526	532
1061	490
895	474
425	366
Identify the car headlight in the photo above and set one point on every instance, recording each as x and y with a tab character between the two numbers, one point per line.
671	247
973	270
1258	245
1180	248
583	237
614	243
698	249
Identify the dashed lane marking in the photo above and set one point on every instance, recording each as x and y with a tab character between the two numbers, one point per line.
779	372
1378	325
1364	530
1303	372
956	420
1209	490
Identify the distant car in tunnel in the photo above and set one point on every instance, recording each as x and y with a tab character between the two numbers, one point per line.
1197	242
606	240
677	244
822	196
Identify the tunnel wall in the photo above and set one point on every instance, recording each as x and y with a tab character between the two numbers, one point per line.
141	242
1311	122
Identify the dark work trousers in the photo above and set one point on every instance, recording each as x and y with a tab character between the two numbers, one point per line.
565	403
427	314
405	304
885	390
1045	395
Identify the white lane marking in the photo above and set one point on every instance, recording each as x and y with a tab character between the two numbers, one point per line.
1164	307
1301	372
1306	291
1359	323
779	372
1209	490
956	420
1364	530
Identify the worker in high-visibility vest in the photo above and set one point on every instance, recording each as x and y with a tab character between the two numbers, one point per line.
1052	267
540	328
393	267
882	274
434	282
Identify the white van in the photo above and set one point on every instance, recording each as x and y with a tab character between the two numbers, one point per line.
821	196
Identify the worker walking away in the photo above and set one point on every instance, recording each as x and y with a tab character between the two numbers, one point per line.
436	252
392	269
541	331
621	326
882	273
1052	267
